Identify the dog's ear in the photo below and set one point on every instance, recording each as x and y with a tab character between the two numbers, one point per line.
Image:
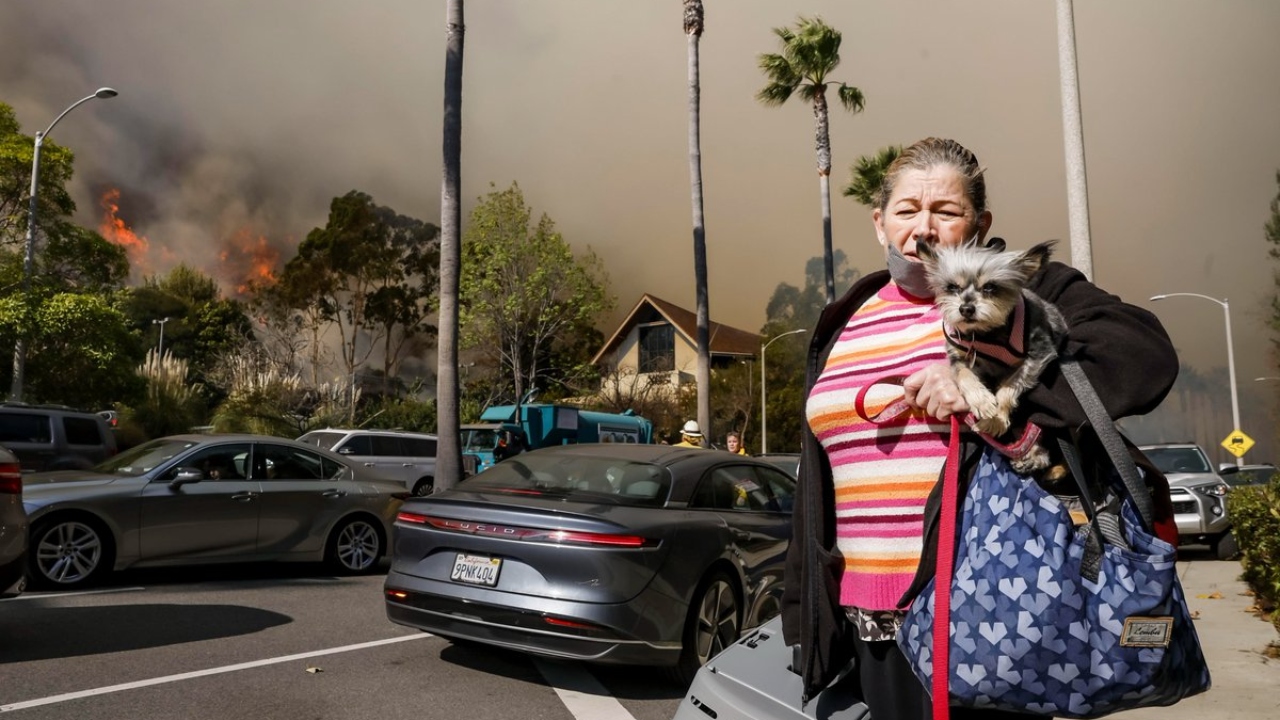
1032	260
995	244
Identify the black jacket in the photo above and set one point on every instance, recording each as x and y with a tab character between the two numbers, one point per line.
1123	350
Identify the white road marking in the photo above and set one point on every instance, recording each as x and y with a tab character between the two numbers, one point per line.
202	673
45	596
581	693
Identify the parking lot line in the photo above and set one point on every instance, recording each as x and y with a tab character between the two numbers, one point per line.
46	596
582	694
53	699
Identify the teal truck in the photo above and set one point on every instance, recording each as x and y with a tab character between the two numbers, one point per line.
500	433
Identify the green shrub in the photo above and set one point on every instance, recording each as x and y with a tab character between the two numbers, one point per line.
1255	518
400	414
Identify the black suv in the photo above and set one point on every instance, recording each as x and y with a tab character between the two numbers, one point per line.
53	437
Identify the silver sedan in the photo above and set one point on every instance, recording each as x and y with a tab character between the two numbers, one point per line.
192	499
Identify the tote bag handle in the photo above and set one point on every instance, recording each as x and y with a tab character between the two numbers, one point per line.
1105	427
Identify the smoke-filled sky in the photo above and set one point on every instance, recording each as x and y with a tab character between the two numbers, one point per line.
246	118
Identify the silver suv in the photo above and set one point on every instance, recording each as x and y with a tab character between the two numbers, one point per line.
1199	496
405	457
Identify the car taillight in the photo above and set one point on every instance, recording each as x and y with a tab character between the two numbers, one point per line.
11	478
530	534
413	518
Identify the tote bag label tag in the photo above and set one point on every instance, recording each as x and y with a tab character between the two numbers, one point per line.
1147	632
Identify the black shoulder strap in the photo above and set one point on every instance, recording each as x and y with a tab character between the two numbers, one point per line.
1111	440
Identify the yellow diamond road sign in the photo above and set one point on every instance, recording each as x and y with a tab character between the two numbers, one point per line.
1237	443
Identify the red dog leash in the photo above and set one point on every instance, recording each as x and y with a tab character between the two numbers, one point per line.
1015	450
945	566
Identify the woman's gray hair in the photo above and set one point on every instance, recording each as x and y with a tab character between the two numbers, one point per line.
931	152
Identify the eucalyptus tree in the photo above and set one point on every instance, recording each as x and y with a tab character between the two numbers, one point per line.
367	274
693	25
810	52
449	449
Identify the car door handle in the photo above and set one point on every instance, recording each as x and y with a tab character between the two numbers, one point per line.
244	496
407	465
370	464
333	493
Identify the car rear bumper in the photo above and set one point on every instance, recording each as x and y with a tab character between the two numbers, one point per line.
539	626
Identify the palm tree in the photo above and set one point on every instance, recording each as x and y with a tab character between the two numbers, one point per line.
449	451
810	52
693	16
866	175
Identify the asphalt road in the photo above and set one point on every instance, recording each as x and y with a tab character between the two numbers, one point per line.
275	641
280	641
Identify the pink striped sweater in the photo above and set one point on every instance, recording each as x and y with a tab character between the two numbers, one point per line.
882	473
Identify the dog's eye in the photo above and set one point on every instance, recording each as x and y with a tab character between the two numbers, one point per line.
952	288
989	289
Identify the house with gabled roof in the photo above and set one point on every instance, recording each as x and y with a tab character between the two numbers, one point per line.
657	343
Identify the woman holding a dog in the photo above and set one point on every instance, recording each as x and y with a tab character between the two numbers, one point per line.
858	553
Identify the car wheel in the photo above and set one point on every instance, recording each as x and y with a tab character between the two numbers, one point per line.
425	487
355	547
69	552
714	623
1225	546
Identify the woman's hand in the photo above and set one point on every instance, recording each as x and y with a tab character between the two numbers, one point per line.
934	390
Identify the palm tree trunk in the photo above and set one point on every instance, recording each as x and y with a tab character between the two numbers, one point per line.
449	449
822	138
693	25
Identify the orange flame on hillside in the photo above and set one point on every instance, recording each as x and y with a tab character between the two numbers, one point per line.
115	230
249	262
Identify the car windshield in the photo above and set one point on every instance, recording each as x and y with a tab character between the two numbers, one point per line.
145	457
1179	460
479	439
321	439
575	477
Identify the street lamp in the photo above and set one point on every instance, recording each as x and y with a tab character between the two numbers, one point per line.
1231	355
160	351
764	432
20	348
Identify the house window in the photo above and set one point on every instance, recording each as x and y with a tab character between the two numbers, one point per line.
657	348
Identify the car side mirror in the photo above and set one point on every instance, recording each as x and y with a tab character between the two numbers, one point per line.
185	476
344	451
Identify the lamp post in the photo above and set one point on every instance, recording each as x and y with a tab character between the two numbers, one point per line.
20	348
160	350
764	432
1231	355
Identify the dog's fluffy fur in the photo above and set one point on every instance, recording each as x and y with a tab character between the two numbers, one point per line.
978	288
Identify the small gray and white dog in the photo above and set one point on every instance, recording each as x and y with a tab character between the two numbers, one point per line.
1000	336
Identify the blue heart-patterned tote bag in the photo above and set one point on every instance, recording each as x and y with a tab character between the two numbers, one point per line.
1031	632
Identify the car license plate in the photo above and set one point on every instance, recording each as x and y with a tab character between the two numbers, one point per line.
476	570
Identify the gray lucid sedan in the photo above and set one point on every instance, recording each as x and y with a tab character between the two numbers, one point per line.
635	554
191	499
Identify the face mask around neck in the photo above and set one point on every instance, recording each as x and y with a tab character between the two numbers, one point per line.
908	276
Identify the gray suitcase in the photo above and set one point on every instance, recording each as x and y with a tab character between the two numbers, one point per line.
752	680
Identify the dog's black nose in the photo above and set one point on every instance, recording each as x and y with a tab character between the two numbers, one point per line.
968	311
